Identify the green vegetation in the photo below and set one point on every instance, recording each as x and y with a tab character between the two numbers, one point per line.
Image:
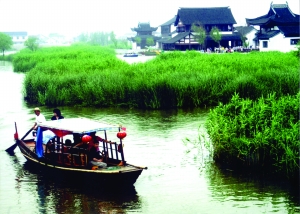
150	41
5	42
93	76
32	43
216	35
200	33
138	40
262	134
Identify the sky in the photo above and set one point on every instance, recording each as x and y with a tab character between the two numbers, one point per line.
73	17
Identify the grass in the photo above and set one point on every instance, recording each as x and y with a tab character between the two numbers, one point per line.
93	76
262	134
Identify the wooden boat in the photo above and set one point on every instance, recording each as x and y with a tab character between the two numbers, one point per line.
131	55
72	162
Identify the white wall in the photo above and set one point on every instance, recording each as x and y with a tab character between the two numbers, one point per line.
134	45
19	39
278	43
173	28
250	37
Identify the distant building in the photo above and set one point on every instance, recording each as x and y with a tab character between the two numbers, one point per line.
167	29
250	33
278	29
144	31
18	37
220	17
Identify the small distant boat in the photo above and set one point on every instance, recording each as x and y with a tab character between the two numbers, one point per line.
131	55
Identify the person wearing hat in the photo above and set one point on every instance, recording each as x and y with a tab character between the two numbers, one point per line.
39	118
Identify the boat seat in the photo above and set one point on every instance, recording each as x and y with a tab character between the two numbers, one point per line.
67	159
79	160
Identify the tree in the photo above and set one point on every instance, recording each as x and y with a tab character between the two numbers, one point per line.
5	42
138	40
113	39
200	33
83	37
32	43
150	41
242	31
216	35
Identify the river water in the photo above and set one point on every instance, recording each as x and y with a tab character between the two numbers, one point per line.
180	178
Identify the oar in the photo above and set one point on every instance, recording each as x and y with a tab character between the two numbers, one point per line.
12	148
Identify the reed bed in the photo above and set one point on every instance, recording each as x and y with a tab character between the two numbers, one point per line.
262	134
93	76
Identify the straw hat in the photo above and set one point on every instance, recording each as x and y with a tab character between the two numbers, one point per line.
37	109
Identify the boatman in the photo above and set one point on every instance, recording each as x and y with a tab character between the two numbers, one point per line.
39	118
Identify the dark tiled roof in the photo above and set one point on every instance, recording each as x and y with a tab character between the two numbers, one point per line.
268	35
170	22
278	14
21	33
163	39
244	29
144	27
210	15
176	38
290	31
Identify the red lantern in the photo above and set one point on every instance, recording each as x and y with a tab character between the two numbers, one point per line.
121	135
86	138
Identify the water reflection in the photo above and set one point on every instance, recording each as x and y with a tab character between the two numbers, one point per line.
252	191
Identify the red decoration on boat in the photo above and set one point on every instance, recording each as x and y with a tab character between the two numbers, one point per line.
86	138
16	136
121	135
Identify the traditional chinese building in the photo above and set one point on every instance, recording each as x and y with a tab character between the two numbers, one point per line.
144	33
167	29
278	29
220	17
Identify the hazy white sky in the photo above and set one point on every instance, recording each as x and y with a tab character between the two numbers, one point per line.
71	17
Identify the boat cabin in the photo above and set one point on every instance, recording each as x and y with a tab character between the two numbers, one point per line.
73	139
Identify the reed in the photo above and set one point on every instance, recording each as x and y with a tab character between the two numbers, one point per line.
93	76
259	134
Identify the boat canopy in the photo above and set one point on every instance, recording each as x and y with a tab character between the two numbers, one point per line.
77	125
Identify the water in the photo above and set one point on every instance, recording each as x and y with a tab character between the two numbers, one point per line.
180	178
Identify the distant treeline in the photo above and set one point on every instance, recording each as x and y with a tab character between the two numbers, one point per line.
104	39
94	76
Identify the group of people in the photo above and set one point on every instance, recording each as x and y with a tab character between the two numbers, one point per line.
40	118
94	157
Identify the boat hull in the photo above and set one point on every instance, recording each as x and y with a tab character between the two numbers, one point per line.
115	175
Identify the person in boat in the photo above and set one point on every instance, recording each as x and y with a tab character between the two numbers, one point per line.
67	146
39	118
57	114
94	157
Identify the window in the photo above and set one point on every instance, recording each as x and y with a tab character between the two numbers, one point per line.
265	44
180	29
294	41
